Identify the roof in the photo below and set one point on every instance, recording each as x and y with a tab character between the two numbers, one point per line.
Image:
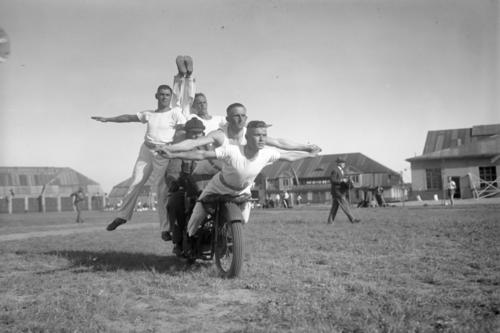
39	176
322	166
121	188
451	138
484	148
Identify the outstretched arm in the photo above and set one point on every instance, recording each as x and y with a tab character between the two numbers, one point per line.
290	145
124	118
291	156
190	155
215	137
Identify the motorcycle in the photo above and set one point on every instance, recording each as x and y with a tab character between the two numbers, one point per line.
220	235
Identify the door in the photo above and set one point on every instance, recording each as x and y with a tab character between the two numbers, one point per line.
457	191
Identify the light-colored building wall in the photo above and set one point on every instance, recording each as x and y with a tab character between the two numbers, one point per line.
418	182
451	168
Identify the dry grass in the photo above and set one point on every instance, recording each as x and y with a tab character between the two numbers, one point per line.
430	269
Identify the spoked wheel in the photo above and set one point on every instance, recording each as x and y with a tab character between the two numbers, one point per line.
229	250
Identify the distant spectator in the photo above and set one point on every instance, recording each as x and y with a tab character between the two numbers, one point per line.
340	184
451	187
299	199
277	200
286	200
78	197
379	196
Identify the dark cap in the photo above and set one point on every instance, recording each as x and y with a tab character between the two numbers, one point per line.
257	124
340	160
194	125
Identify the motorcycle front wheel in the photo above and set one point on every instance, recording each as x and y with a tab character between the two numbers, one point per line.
229	249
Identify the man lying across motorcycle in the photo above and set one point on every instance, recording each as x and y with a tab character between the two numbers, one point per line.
242	164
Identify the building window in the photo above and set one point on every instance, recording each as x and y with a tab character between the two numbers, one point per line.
488	174
315	181
355	178
23	180
434	179
285	182
5	179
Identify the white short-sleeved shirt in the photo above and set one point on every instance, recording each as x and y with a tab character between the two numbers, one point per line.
161	125
240	140
211	167
238	171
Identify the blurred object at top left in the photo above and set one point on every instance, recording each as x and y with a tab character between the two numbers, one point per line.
4	46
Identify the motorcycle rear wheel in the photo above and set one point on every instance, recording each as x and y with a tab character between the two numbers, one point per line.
229	250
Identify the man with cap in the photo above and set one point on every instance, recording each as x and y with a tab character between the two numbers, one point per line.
242	164
182	187
340	186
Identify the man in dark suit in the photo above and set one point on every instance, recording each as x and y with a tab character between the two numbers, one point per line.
340	188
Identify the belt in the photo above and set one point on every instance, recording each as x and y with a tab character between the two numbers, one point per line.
155	146
234	188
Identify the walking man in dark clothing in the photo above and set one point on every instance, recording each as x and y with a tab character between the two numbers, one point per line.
340	187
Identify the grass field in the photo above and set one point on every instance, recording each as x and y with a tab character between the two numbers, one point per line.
403	269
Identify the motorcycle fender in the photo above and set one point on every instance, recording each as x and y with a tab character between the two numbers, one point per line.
231	212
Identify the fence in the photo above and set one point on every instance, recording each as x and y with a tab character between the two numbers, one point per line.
26	204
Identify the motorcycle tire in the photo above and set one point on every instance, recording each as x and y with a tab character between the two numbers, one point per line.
229	250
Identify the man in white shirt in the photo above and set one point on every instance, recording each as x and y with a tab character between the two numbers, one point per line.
451	187
161	126
242	164
199	109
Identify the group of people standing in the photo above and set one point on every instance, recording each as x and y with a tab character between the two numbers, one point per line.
181	128
284	200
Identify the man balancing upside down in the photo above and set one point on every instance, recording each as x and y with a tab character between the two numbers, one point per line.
242	164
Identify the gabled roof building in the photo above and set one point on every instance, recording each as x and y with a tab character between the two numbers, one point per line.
310	178
45	189
470	156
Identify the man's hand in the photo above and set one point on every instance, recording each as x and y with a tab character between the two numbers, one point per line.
101	119
312	148
164	151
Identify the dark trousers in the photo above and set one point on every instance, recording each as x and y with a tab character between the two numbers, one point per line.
340	200
177	215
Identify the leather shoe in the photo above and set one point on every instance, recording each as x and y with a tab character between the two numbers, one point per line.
166	236
181	65
115	224
356	221
177	250
188	63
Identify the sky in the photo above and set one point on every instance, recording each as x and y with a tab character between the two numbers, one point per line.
348	75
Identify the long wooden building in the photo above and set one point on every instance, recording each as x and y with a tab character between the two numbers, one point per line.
34	189
310	178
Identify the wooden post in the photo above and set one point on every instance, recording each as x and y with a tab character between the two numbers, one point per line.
9	204
59	203
42	202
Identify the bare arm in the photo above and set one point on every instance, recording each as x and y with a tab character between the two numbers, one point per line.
191	155
291	156
214	137
124	118
290	145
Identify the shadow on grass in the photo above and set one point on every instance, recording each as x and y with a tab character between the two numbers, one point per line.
84	261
